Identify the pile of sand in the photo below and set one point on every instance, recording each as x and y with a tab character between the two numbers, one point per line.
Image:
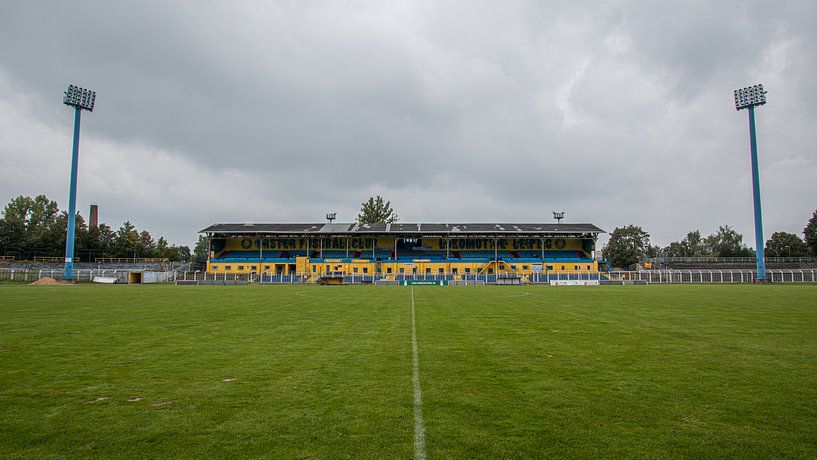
46	281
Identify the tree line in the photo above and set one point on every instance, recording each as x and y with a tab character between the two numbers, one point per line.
631	244
32	227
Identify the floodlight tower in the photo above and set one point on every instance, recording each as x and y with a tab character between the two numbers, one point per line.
748	98
331	216
80	99
558	216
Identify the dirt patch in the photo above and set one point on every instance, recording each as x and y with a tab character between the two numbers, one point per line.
161	403
97	399
4	350
46	281
689	419
229	379
135	399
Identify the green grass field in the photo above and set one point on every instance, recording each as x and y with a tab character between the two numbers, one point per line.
326	372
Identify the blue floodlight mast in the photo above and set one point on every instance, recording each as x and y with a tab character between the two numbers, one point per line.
748	98
80	99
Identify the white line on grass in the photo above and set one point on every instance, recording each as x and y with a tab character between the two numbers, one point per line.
419	428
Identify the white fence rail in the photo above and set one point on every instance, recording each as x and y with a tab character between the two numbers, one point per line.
11	274
693	276
703	276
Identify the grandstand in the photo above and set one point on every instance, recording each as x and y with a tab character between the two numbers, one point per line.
703	262
394	251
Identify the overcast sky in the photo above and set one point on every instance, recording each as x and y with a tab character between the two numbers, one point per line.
616	112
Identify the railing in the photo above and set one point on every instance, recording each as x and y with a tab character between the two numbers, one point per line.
733	260
85	275
54	260
4	258
706	276
129	260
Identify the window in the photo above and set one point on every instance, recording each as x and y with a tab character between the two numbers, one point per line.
575	267
588	267
490	271
314	268
241	267
365	270
402	270
354	270
513	267
524	267
388	270
563	267
327	269
467	270
414	270
550	267
440	271
228	267
428	271
266	267
454	270
214	267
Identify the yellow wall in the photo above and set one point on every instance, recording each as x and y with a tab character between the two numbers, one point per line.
302	265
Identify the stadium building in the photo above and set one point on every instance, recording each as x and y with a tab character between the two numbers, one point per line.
395	251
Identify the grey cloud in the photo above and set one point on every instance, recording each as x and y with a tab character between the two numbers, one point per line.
617	113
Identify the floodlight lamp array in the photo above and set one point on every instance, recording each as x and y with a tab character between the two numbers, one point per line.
749	97
80	97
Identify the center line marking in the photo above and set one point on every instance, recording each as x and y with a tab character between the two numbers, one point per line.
419	428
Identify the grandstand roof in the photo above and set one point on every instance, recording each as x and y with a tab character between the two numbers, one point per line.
404	229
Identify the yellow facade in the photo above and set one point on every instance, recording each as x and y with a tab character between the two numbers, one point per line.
303	252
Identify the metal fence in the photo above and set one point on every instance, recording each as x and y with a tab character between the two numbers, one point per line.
734	276
703	276
731	260
87	275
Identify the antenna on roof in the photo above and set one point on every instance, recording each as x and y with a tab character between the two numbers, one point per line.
331	216
558	216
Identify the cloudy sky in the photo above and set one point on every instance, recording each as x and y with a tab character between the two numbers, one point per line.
617	112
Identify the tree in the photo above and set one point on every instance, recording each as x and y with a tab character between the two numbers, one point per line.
146	244
690	246
127	241
627	246
810	233
200	251
783	244
376	211
177	253
726	242
161	250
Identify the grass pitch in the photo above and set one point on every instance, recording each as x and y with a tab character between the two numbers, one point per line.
326	372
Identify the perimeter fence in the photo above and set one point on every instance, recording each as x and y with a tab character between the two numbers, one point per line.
664	276
85	275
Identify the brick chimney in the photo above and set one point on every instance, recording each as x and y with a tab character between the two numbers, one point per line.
94	217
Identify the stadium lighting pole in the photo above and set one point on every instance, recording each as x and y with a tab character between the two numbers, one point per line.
80	99
749	98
